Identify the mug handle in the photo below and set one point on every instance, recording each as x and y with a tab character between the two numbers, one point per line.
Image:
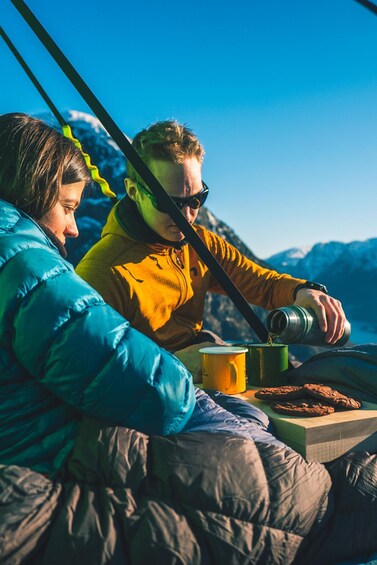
233	374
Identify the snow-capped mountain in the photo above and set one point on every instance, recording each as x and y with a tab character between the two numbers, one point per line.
220	315
349	270
311	261
106	155
288	259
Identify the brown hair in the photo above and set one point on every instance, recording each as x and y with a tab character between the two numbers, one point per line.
35	160
165	141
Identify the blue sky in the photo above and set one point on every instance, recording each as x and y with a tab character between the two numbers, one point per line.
283	96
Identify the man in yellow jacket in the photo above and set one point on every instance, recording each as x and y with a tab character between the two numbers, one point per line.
143	267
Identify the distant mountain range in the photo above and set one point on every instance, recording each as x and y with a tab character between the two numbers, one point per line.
312	261
349	270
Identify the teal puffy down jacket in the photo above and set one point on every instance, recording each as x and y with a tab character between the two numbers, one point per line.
64	353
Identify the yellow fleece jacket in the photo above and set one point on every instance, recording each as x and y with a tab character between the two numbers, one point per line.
161	290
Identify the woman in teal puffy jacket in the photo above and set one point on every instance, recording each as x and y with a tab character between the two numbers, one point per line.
64	353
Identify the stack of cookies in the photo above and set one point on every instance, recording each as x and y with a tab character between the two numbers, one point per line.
306	400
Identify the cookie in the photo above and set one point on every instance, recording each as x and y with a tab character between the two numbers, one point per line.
279	392
332	396
304	407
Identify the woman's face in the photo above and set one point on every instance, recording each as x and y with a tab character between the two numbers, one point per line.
61	218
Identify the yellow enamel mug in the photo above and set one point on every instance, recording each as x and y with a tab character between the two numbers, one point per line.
224	368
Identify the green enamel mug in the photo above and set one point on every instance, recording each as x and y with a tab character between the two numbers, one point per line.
266	364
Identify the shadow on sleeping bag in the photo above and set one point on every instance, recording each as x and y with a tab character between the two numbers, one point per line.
224	491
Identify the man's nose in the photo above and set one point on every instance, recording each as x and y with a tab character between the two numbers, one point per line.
189	213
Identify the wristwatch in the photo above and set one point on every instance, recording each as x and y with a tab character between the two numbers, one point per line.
309	284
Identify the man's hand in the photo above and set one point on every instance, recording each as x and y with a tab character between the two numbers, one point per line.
328	310
192	359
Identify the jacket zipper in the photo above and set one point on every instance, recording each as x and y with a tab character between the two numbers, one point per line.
178	258
179	268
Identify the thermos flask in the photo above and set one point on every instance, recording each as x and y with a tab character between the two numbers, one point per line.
293	324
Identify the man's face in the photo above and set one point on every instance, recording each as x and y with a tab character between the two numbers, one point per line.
181	181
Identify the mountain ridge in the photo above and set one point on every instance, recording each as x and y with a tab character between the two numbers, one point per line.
325	262
349	270
312	260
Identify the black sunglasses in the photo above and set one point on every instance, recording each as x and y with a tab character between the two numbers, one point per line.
196	201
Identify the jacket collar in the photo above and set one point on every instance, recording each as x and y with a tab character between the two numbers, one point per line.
131	221
10	217
56	241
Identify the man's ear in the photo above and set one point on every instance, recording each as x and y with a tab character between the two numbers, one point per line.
131	189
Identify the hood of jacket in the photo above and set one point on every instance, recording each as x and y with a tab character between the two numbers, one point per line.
126	221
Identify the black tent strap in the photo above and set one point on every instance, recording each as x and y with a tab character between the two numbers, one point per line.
33	78
372	7
65	127
131	154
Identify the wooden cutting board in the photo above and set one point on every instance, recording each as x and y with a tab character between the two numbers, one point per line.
323	438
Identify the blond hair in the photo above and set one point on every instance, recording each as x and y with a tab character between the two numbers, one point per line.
165	141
